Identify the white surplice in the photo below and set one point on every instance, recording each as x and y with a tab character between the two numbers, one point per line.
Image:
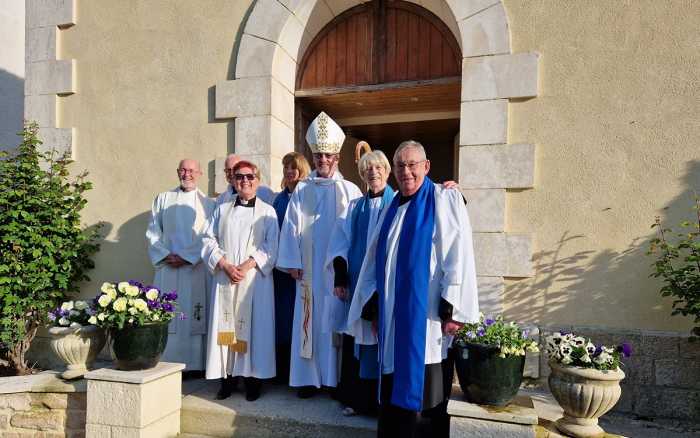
177	224
331	198
229	238
452	277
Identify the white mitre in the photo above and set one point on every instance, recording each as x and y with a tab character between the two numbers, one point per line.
324	136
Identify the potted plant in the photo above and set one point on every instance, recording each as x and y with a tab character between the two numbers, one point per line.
490	360
74	338
585	381
136	318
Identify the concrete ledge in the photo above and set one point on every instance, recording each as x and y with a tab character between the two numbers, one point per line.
50	13
46	381
502	166
485	33
470	420
499	77
483	122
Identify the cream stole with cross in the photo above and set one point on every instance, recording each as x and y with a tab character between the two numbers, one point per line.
308	218
235	301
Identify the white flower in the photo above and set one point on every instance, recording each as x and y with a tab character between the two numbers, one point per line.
131	301
63	321
112	293
131	320
68	305
73	313
122	286
590	348
566	359
106	286
119	305
93	319
81	305
156	317
102	316
602	358
140	304
579	341
133	311
586	358
104	300
132	291
75	325
152	294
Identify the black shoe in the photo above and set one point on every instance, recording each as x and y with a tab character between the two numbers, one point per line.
226	389
252	388
307	391
192	374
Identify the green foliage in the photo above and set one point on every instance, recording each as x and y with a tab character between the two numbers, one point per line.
44	252
508	336
678	265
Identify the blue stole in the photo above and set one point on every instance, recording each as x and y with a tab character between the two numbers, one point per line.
367	354
280	205
410	294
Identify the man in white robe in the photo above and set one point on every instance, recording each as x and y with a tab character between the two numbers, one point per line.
174	238
449	301
313	210
240	249
263	192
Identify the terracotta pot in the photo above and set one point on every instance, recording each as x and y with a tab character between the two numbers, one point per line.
138	348
585	394
77	347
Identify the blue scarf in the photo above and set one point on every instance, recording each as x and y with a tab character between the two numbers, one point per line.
410	294
367	354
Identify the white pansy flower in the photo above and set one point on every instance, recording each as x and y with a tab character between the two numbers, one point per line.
81	305
131	301
64	321
132	291
122	286
93	319
73	313
566	359
140	304
104	300
152	294
586	358
68	305
102	316
112	293
602	358
131	320
133	311
119	305
156	317
579	341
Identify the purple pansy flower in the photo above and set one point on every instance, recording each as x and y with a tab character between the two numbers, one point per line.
480	331
625	349
489	321
470	334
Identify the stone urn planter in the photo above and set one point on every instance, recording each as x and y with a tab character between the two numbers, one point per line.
585	394
486	378
138	347
77	347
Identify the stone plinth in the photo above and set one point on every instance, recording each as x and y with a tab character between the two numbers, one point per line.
517	420
134	403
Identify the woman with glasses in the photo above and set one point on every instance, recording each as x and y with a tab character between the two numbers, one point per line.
240	250
295	169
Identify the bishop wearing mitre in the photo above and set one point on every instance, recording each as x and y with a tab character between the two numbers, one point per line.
313	210
174	238
240	249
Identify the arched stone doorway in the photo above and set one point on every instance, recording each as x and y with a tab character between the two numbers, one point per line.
386	71
261	99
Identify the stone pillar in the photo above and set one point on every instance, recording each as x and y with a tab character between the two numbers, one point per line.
134	403
517	420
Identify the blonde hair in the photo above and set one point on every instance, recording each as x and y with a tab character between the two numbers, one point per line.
297	161
374	158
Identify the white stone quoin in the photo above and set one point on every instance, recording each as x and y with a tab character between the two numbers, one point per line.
139	404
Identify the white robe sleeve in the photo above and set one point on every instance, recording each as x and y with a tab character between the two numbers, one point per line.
157	249
211	251
289	255
266	255
339	245
456	252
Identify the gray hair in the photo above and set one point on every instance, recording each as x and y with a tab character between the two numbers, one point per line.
411	144
373	158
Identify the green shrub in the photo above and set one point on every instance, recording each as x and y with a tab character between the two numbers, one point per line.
44	251
678	265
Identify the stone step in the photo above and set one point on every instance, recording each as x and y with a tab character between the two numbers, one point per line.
277	413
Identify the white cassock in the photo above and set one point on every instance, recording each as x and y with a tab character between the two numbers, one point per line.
313	210
236	233
452	277
263	193
177	225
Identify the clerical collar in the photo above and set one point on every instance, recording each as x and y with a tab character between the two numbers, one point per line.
404	199
248	203
378	194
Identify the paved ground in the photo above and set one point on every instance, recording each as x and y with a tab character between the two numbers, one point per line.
281	401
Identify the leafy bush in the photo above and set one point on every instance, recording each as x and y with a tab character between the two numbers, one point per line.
678	265
44	251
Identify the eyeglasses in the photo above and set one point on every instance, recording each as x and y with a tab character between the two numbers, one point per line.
242	176
410	165
186	171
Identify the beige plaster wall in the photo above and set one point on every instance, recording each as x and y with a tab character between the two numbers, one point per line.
143	101
616	127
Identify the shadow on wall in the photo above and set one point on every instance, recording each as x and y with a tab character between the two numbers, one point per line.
11	109
600	280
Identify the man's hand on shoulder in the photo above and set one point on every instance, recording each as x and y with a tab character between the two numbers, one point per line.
450	327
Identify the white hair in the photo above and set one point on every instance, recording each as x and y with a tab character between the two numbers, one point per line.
411	144
373	158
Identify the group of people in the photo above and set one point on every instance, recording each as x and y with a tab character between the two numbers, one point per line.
320	283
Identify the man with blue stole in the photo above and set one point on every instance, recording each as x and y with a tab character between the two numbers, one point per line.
417	286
